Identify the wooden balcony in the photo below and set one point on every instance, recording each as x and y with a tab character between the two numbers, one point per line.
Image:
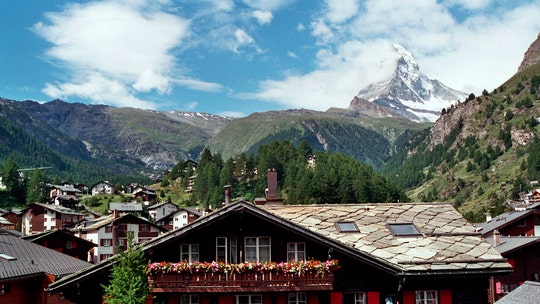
249	281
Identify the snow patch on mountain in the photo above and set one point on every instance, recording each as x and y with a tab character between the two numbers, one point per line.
408	92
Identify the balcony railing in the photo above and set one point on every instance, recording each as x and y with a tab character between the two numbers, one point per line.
238	282
219	277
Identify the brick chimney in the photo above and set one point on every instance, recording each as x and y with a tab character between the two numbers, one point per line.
272	184
227	194
496	238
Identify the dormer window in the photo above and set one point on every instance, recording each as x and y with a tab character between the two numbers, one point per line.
404	229
347	227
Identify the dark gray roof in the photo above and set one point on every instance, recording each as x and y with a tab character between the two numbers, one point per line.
527	293
20	258
508	244
59	209
130	207
502	220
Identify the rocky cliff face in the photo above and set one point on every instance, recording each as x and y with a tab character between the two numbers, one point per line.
532	55
408	93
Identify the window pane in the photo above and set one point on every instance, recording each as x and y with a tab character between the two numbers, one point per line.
264	241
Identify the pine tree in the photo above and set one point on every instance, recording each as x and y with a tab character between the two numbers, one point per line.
128	279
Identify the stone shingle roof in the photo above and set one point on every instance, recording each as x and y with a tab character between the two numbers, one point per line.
21	258
447	241
526	293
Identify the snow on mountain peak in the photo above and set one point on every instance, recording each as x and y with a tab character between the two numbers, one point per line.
410	93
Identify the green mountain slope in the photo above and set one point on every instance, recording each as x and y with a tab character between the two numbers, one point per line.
365	139
480	154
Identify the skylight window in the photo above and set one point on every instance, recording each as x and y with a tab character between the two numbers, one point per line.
7	257
346	227
404	229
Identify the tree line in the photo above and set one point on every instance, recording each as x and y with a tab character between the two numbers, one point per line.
334	178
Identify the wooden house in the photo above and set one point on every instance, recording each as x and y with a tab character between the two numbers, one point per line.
64	241
27	269
110	232
67	196
327	254
42	217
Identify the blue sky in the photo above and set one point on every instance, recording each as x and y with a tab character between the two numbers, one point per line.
238	57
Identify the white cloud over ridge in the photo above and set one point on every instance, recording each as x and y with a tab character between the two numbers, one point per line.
448	47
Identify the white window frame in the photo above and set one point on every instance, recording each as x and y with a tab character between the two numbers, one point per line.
296	298
296	251
189	252
258	249
228	245
426	297
248	299
107	242
360	298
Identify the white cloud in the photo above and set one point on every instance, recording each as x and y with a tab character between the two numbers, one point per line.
470	4
234	114
339	77
466	53
292	54
125	47
267	5
100	90
341	10
263	17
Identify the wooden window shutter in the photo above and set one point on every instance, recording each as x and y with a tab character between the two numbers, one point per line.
336	297
408	297
373	297
446	296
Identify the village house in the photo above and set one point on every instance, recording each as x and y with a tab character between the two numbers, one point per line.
126	207
110	232
27	269
143	193
327	254
42	217
67	196
159	211
102	187
12	216
516	236
64	241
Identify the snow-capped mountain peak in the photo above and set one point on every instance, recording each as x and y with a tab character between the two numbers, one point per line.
407	92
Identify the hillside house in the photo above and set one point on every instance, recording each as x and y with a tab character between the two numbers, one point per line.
102	187
64	241
110	232
27	269
327	254
42	217
67	196
129	207
143	193
159	211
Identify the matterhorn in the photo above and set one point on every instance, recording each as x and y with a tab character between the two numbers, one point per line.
406	93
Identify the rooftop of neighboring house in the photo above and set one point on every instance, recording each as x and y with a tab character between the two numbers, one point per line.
59	209
55	233
526	293
21	258
503	220
66	188
155	206
126	207
94	224
508	244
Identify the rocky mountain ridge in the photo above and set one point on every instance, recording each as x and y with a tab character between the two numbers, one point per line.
407	93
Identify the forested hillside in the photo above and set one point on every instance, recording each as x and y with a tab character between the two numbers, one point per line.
480	154
334	178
